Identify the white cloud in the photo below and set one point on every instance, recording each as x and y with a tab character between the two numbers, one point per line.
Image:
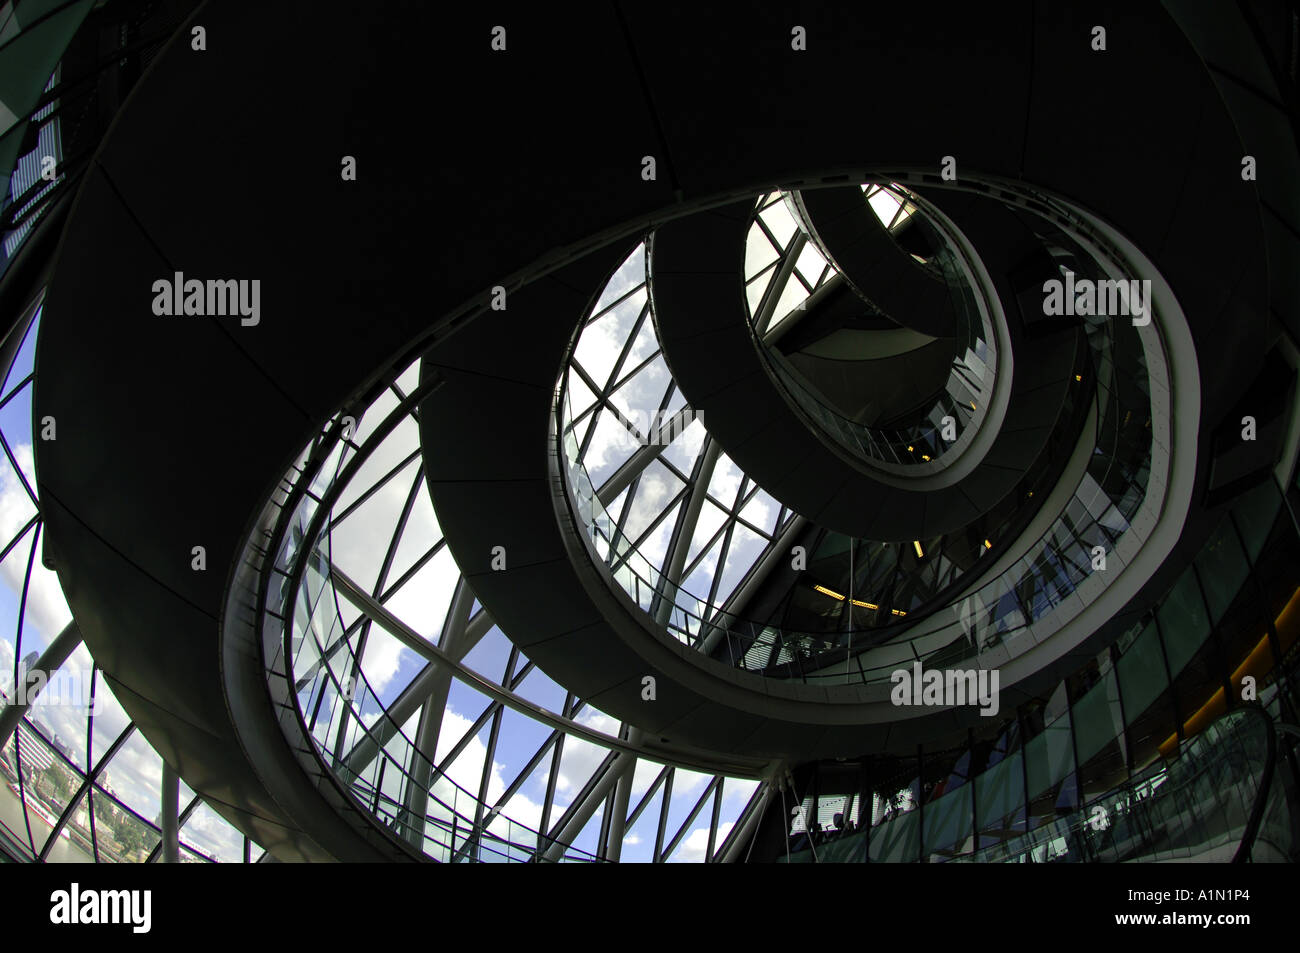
693	848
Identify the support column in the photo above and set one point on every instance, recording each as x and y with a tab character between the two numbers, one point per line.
623	763
55	654
171	796
430	724
622	795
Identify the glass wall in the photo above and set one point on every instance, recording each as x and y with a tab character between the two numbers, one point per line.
1224	634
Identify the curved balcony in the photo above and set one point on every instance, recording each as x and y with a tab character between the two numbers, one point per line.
779	293
713	300
1043	577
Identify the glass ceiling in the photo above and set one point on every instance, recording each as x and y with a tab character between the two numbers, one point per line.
382	534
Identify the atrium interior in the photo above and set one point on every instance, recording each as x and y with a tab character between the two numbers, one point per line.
646	459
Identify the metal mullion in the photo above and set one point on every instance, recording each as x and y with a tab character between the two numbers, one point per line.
603	403
376	487
524	773
612	305
18	470
722	560
90	733
809	289
682	533
18	537
767	231
22	613
672	467
374	735
352	668
657	854
777	286
752	528
390	555
87	782
180	824
690	819
413	640
739	498
617	376
17	388
491	710
612	382
507	679
588	380
330	651
410	573
635	547
608	405
709	850
627	472
756	800
645	533
385	567
494	734
774	266
578	804
704	550
548	798
597	405
575	422
625	510
647	797
606	820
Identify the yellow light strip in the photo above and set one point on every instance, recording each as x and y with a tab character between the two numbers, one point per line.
857	602
920	553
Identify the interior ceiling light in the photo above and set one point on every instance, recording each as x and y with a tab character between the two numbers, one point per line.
857	602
